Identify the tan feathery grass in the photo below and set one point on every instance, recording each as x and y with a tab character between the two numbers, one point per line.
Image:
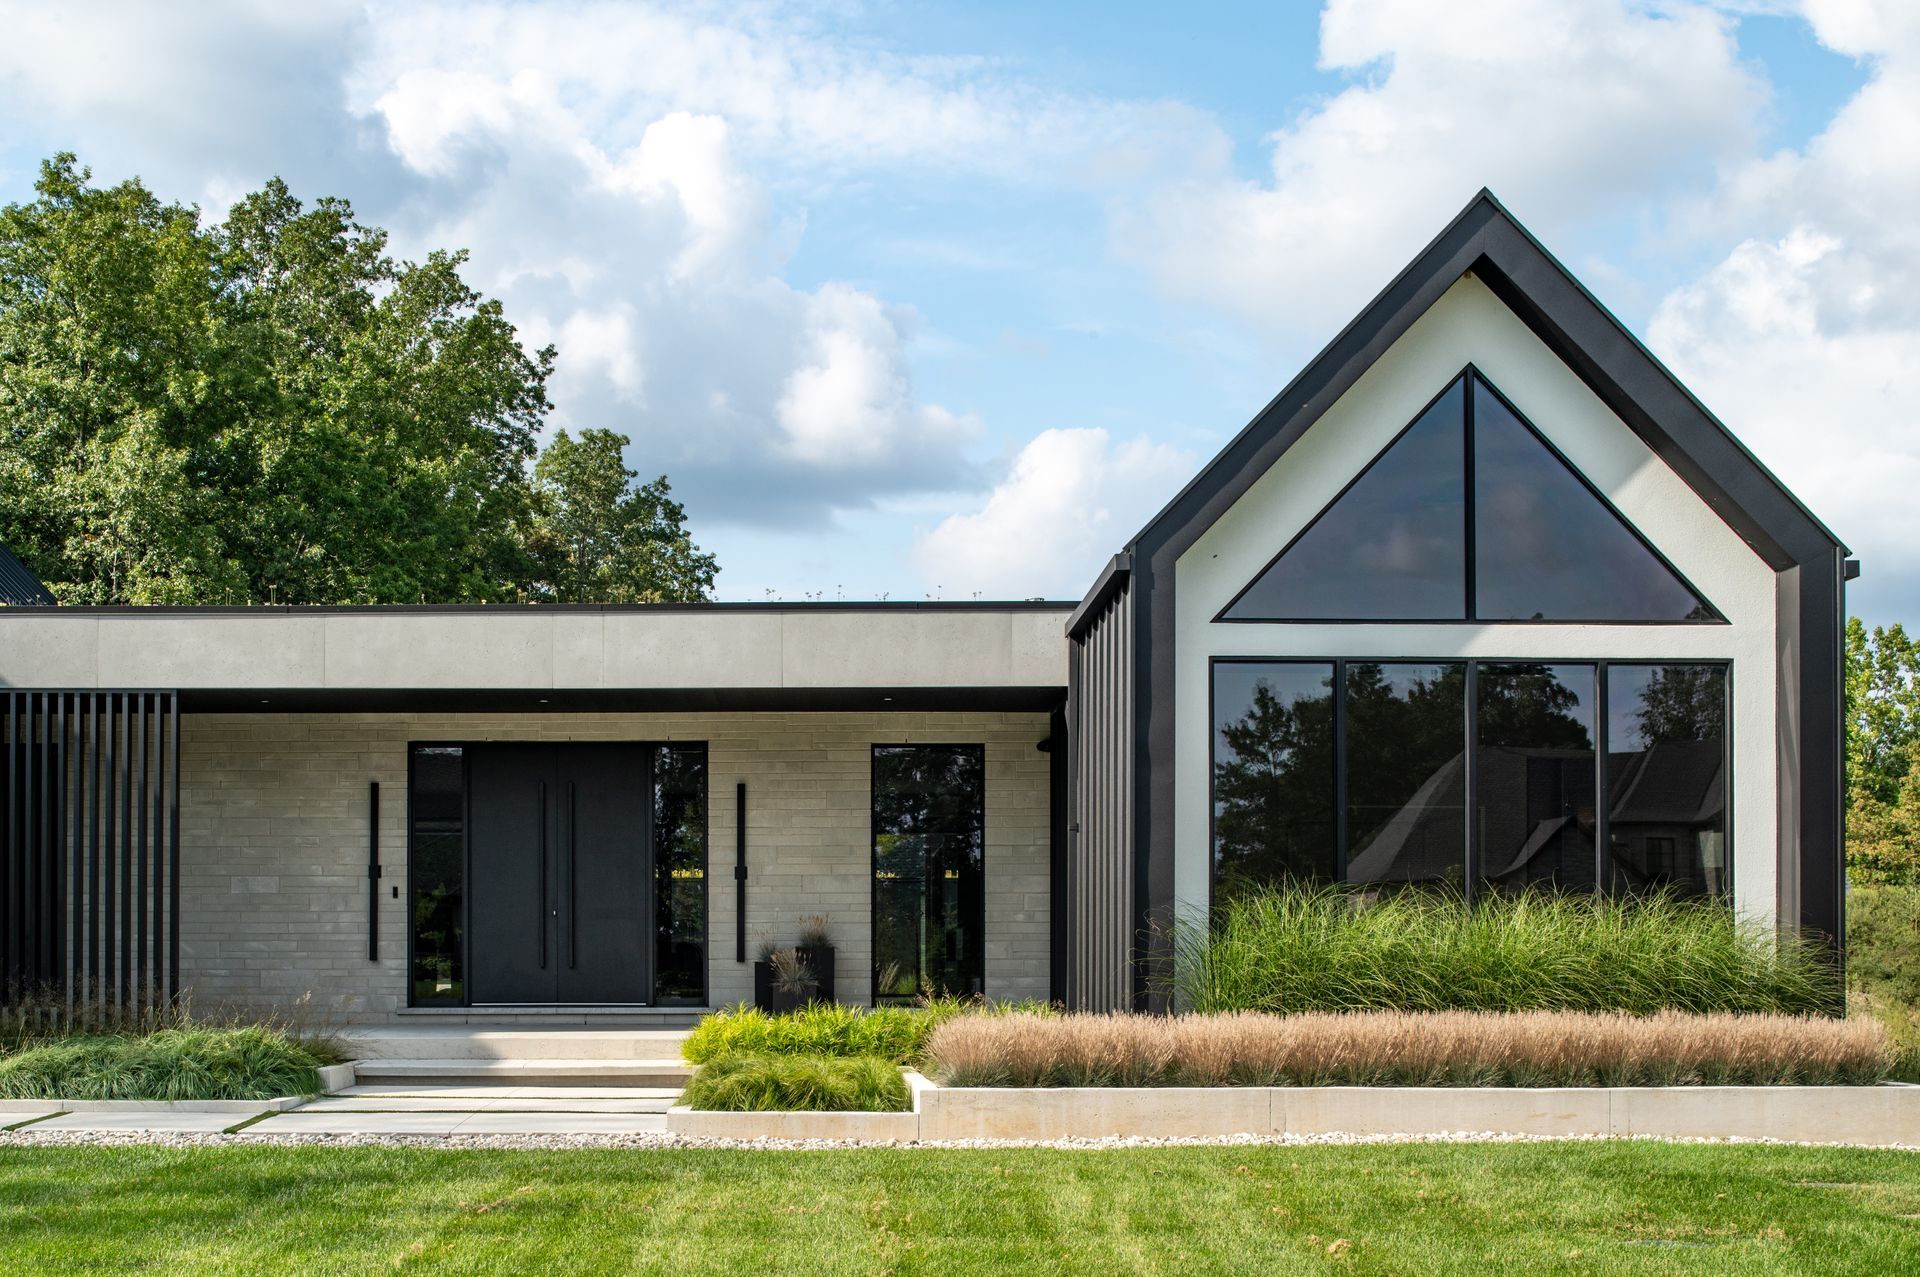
1393	1048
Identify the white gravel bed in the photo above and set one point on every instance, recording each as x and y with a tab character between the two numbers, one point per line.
28	1138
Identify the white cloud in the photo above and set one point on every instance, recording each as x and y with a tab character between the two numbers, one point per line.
1572	112
1805	337
1069	500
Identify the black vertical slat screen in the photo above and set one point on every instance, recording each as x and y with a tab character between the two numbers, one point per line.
90	848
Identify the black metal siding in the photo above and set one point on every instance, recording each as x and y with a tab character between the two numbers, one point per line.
1099	882
90	847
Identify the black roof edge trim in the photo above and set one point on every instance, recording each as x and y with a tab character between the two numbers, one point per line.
1468	245
1112	580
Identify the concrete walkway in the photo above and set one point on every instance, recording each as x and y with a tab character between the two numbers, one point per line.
403	1110
477	1110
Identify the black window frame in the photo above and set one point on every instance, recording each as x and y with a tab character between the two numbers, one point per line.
465	745
1472	886
873	837
1471	377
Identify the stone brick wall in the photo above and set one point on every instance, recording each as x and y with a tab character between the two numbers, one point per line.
274	841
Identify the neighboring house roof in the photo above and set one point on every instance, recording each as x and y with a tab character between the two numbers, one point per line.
18	586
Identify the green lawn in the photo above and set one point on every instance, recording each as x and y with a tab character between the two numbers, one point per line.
1575	1208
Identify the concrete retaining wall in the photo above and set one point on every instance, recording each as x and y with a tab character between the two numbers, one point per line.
1862	1115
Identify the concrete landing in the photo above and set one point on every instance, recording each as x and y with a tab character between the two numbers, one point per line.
477	1110
667	1073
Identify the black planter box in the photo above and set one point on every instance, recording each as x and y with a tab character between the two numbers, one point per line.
768	999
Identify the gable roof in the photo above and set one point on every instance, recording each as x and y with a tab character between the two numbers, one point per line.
1486	241
20	587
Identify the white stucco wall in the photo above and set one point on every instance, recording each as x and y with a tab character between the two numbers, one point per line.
1470	325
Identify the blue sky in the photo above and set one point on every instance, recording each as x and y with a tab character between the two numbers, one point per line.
937	300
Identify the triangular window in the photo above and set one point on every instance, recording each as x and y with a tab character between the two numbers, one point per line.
1394	545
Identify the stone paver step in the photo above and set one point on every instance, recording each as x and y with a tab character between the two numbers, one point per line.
437	1042
311	1122
661	1073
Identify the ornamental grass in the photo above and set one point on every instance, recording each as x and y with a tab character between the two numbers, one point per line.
798	1083
1394	1048
1298	949
254	1063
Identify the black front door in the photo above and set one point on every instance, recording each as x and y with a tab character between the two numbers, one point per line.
561	877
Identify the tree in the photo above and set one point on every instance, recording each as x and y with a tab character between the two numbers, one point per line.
600	538
1272	787
1882	753
270	408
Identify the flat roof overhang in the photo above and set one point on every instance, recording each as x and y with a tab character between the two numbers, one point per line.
719	657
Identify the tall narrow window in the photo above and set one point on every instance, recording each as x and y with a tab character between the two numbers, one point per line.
1534	776
929	871
1391	547
1667	778
437	869
1272	774
680	875
1406	780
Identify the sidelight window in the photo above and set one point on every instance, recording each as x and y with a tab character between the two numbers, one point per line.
437	866
929	871
680	875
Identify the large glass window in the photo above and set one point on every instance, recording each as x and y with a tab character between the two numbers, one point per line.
1392	546
1406	781
437	868
1272	773
1404	543
680	875
1390	749
1534	775
1546	547
1667	778
929	871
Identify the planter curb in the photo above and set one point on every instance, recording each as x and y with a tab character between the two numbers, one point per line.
1854	1115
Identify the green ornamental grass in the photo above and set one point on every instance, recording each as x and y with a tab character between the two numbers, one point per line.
798	1083
1301	949
251	1063
825	1028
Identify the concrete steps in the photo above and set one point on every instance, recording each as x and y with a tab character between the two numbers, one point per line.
447	1054
660	1073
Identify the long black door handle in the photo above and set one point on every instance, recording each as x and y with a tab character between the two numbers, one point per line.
543	875
573	893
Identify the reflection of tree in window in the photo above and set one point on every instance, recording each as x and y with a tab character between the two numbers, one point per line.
1666	778
929	851
1272	776
1406	733
1534	775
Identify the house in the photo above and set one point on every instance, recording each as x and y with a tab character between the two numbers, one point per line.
1484	598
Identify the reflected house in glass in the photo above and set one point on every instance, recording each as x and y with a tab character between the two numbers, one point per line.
1482	601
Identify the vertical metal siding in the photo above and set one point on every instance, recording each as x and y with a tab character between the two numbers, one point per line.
1100	860
89	871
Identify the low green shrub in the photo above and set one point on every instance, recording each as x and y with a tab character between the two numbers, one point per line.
1398	1048
252	1063
1883	965
798	1083
1300	949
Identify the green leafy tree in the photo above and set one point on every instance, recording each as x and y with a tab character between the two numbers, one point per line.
1882	753
270	408
1272	787
599	537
